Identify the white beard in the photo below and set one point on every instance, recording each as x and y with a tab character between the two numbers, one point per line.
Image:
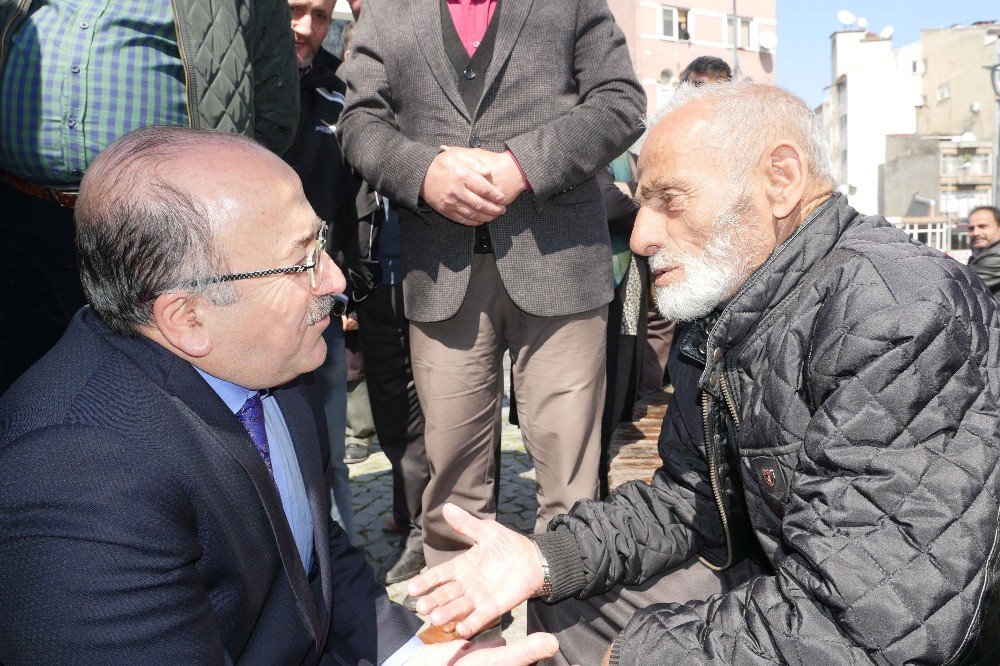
710	276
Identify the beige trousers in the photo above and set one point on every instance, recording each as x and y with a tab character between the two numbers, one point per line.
559	379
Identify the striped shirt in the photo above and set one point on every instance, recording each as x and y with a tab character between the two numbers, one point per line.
82	73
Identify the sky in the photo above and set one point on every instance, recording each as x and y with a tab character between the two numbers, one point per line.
802	64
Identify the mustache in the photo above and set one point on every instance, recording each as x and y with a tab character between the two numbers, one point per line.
319	308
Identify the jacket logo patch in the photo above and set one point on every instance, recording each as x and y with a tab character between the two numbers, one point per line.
768	475
326	129
773	482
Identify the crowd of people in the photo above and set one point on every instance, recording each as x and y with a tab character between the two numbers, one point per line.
231	258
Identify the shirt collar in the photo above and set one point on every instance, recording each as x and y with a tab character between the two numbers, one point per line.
234	396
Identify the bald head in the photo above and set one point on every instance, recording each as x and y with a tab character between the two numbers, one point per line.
741	120
150	209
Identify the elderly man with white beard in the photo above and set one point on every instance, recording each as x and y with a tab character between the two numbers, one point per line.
829	491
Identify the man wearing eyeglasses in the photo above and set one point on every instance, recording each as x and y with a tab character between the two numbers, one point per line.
164	497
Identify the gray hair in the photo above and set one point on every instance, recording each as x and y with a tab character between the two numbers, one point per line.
745	117
140	233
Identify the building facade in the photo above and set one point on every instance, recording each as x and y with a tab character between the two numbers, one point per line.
663	37
913	130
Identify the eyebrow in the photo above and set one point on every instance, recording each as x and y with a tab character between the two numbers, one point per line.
303	242
657	187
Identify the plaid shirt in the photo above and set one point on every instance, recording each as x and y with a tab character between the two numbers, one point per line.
82	73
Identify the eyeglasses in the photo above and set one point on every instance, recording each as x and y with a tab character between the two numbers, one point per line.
314	264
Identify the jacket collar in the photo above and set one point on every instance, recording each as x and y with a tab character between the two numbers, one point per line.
196	400
426	19
776	278
322	73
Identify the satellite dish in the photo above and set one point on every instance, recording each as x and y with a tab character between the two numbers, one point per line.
767	40
887	32
846	17
862	22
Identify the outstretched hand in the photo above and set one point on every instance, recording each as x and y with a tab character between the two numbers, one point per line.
502	569
528	650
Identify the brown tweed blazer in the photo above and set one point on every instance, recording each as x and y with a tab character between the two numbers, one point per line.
560	93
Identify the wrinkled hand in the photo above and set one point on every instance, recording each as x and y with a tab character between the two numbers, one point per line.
459	187
502	569
350	322
504	172
528	650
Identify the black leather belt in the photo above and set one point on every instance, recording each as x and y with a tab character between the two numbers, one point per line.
65	198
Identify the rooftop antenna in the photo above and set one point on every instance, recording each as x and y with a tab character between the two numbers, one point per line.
887	32
862	22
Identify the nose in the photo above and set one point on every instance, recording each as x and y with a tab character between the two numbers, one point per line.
333	281
647	234
303	26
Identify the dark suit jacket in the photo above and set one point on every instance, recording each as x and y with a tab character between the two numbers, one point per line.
138	524
987	265
560	93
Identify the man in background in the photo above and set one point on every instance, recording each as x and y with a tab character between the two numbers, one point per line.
75	76
489	160
706	69
984	234
329	187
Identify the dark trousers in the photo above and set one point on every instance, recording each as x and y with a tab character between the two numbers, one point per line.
586	627
39	281
399	422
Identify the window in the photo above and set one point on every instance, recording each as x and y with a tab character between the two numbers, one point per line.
738	28
943	92
668	22
674	23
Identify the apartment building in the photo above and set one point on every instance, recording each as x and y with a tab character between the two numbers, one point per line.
663	37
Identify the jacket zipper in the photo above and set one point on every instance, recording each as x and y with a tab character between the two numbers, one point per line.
728	398
713	473
21	6
713	476
189	101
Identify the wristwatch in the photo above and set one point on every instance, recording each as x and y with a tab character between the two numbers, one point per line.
546	589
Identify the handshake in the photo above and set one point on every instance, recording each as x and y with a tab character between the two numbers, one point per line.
472	186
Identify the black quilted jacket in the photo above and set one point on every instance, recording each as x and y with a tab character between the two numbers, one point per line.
850	393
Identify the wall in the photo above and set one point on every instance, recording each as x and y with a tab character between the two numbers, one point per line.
659	58
911	167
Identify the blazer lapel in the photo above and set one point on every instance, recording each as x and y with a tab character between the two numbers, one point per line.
512	15
426	18
189	389
302	426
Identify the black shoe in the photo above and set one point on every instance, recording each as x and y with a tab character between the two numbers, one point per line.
355	453
402	565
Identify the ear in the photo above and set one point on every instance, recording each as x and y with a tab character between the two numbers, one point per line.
180	319
786	178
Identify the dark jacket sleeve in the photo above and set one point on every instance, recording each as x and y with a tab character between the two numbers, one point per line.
76	543
607	120
621	209
889	543
987	267
365	627
275	77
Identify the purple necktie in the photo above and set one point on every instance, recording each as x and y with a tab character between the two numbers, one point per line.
251	415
